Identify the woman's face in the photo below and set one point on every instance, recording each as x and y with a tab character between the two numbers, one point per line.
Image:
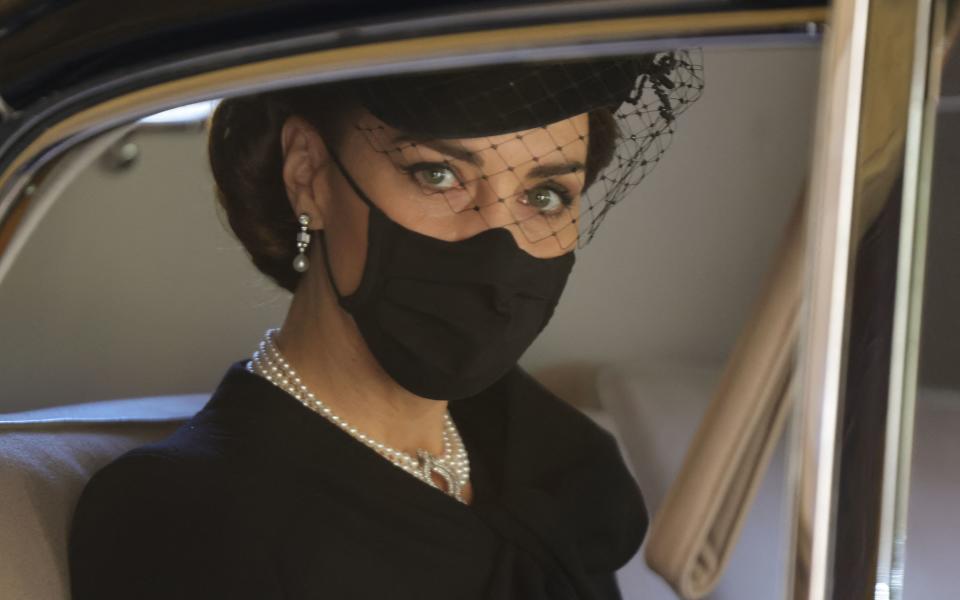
528	182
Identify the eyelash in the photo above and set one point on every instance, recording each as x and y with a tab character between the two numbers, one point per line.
411	170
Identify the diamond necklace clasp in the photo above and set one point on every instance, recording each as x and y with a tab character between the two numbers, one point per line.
429	465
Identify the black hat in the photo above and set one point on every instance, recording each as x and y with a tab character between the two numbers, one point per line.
508	97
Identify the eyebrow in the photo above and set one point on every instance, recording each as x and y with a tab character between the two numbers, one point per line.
443	147
544	171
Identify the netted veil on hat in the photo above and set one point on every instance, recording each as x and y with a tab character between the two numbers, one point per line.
546	146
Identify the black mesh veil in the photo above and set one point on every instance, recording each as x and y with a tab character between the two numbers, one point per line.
544	149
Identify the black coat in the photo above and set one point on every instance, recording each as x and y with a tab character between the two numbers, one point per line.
257	496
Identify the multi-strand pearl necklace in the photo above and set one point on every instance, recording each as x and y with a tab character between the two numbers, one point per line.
453	466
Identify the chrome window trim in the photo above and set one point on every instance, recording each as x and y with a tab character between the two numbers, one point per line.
872	108
825	307
911	261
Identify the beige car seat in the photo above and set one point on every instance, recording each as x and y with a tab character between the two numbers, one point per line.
46	457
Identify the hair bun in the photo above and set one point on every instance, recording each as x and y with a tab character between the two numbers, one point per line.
246	160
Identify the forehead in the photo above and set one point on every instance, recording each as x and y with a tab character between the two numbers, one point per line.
568	136
561	134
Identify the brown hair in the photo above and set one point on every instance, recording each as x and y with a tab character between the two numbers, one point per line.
246	158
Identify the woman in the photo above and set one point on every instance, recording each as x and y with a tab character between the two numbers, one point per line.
384	443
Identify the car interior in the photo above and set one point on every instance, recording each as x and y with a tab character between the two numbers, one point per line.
703	327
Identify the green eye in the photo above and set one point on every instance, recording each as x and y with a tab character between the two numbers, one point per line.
547	200
437	177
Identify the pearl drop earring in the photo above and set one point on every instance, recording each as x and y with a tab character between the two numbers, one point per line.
300	262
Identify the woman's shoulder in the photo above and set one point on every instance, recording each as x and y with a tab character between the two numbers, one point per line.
580	465
219	442
136	496
197	472
145	477
519	409
187	516
153	524
195	459
530	401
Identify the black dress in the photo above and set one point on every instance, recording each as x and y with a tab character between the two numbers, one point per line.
259	497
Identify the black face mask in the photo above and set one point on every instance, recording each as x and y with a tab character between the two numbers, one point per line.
447	319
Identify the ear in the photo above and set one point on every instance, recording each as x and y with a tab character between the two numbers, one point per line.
305	163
